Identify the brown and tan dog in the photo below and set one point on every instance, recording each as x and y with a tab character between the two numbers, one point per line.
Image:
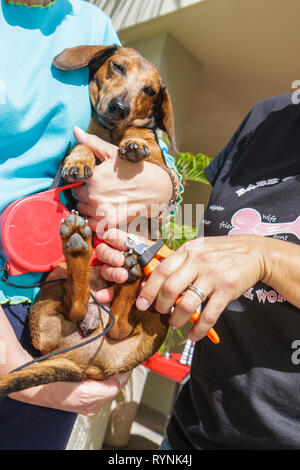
129	101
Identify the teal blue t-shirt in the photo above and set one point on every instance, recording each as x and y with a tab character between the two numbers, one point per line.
40	105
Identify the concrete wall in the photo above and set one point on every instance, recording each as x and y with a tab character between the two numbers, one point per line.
162	50
126	13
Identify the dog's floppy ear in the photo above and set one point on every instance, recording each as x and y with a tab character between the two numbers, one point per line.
83	56
165	115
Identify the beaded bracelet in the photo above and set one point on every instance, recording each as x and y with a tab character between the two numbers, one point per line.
175	194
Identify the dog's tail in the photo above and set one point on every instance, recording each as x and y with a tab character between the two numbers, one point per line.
41	373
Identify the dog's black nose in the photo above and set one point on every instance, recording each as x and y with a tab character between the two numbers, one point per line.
118	109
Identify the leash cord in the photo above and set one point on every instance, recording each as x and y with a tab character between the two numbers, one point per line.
71	348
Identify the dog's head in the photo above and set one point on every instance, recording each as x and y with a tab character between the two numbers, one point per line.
125	88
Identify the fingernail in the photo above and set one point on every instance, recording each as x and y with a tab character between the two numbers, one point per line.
121	276
79	130
117	260
142	304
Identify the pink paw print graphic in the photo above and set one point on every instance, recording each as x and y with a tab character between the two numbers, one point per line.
248	221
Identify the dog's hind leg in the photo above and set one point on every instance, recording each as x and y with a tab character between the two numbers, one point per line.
41	373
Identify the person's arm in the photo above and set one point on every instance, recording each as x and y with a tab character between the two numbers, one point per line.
86	397
282	268
120	191
223	268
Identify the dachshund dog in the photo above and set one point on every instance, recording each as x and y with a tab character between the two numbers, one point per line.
129	102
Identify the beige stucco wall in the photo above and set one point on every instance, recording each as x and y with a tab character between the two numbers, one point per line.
126	13
173	61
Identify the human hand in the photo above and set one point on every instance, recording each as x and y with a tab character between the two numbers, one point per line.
86	398
221	267
119	191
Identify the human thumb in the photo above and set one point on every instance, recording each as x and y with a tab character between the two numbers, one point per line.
102	149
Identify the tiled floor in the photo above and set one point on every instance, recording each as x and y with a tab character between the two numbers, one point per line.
147	430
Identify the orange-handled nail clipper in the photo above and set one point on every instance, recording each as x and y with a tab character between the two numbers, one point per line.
149	257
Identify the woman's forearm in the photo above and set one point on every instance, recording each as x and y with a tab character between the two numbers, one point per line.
12	353
86	397
282	268
12	356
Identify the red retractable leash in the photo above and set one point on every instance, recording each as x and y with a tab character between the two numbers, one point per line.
30	232
30	242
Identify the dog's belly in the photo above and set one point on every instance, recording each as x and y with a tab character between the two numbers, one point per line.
52	331
100	358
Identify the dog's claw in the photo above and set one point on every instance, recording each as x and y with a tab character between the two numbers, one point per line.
134	152
133	274
87	172
75	228
77	172
130	262
146	150
132	266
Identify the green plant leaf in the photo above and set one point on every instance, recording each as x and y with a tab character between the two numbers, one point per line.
191	167
175	235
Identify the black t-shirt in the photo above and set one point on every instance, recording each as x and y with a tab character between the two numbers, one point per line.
244	393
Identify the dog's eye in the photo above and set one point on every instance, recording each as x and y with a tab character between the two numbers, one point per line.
149	91
118	67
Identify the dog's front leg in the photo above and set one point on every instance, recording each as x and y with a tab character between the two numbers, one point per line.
79	164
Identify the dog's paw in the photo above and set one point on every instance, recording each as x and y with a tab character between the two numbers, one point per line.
76	170
75	234
134	150
132	266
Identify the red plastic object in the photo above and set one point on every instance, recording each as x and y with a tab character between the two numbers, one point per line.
169	368
30	232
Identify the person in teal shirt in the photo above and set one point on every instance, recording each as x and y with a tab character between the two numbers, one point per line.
40	105
39	108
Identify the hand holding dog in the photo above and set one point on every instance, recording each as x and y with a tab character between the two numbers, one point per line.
119	190
86	398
